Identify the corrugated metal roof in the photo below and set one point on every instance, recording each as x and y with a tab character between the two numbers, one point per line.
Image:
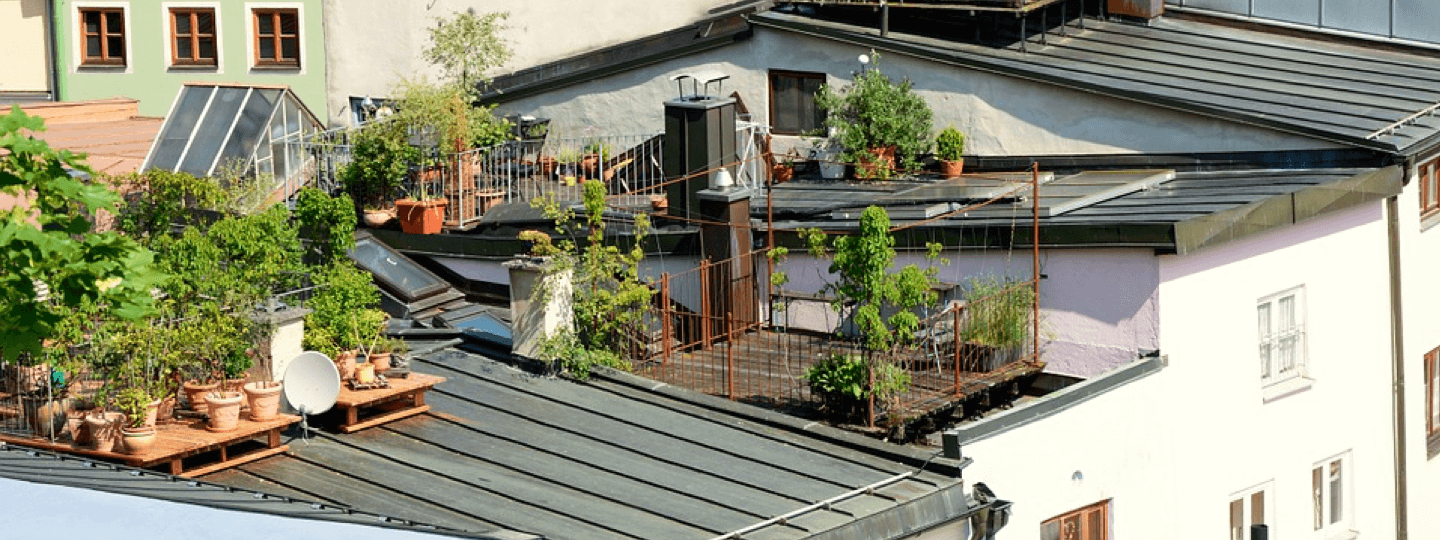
1327	90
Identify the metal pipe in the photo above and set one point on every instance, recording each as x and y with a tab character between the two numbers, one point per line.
782	518
1035	258
884	19
1397	346
54	51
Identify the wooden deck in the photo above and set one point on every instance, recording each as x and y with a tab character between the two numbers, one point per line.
404	398
768	367
180	440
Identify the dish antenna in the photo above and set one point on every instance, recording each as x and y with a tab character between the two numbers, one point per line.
311	384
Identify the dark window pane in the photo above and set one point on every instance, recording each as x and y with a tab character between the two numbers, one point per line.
248	129
267	49
205	22
183	49
289	24
117	47
182	23
207	48
289	48
1257	507
1317	486
114	23
92	22
1050	531
267	24
92	47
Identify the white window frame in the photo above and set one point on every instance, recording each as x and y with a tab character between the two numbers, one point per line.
1324	501
1244	497
76	37
299	8
1273	337
169	40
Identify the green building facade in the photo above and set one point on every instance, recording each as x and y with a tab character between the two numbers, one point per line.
148	49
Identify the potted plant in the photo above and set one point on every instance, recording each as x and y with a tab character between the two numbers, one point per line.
594	153
139	408
950	150
422	214
877	121
999	321
344	303
842	381
380	355
380	158
784	169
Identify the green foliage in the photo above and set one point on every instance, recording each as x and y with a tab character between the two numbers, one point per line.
609	297
447	110
328	222
844	376
380	157
51	242
874	112
999	311
950	144
466	45
342	315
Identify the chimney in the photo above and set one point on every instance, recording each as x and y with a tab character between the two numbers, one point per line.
699	136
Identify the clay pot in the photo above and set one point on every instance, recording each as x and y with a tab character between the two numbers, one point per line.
264	399
421	217
195	393
152	413
381	361
105	429
378	218
659	203
166	410
45	417
365	373
781	173
79	431
224	410
345	363
952	169
138	440
874	161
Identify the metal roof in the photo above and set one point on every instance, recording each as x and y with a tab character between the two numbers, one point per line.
505	449
1353	95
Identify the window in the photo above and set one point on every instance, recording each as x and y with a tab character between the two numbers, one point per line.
1429	193
1432	402
1281	319
102	37
1249	507
1088	523
192	37
277	38
1330	495
792	102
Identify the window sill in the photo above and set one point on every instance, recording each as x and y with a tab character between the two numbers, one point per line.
295	67
1286	387
1429	219
102	68
1432	445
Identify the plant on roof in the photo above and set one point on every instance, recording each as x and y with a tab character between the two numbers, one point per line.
873	114
999	311
49	240
343	314
609	297
950	144
380	157
327	222
466	45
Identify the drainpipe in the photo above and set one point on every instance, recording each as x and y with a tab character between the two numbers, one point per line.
1397	343
54	50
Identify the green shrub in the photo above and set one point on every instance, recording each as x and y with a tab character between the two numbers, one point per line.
875	112
950	145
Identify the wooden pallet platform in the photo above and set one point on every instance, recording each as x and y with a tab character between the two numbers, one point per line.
404	398
180	440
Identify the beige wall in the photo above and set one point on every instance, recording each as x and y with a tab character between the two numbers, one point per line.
22	23
372	43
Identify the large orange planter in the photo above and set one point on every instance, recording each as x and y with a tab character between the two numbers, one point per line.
421	217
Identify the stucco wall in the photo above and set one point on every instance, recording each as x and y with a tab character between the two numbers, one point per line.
1098	307
1170	449
1420	255
148	76
22	22
999	115
373	43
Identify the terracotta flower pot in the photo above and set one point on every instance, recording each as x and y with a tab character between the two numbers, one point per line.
365	373
166	410
138	440
782	173
874	162
105	429
224	410
952	169
195	393
381	361
421	217
345	363
659	203
79	431
264	398
152	413
378	218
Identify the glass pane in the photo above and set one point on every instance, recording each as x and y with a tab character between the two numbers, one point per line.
811	114
289	48
183	49
292	118
114	23
1263	320
1237	519
1317	485
289	24
402	276
1287	313
784	110
281	168
205	22
213	130
92	47
1050	531
1094	525
178	126
1070	528
182	23
207	48
1257	507
266	24
92	22
267	49
116	47
1336	508
248	129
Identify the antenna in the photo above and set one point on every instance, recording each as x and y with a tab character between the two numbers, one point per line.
311	384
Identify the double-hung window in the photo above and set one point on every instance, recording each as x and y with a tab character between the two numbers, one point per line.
1330	495
192	37
1429	192
277	38
1281	319
1249	507
102	37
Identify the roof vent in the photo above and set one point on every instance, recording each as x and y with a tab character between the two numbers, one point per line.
700	82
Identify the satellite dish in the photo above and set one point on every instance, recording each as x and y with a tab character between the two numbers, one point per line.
312	383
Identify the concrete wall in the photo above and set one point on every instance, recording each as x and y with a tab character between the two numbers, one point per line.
148	75
27	67
1000	116
1169	450
1098	307
365	63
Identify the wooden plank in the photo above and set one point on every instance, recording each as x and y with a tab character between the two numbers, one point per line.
392	416
233	461
173	443
416	381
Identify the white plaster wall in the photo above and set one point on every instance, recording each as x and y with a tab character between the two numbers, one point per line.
1171	448
1000	115
1098	307
22	22
371	44
1419	257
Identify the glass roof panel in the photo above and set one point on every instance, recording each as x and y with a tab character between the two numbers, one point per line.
249	128
178	127
213	129
402	276
488	328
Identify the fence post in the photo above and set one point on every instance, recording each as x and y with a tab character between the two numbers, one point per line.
956	365
705	303
665	343
729	358
870	389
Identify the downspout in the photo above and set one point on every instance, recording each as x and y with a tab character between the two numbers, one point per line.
51	30
1397	343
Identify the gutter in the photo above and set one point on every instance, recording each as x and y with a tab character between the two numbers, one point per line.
54	51
1397	346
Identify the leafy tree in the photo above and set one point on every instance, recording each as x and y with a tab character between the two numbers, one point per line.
466	45
51	241
328	222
